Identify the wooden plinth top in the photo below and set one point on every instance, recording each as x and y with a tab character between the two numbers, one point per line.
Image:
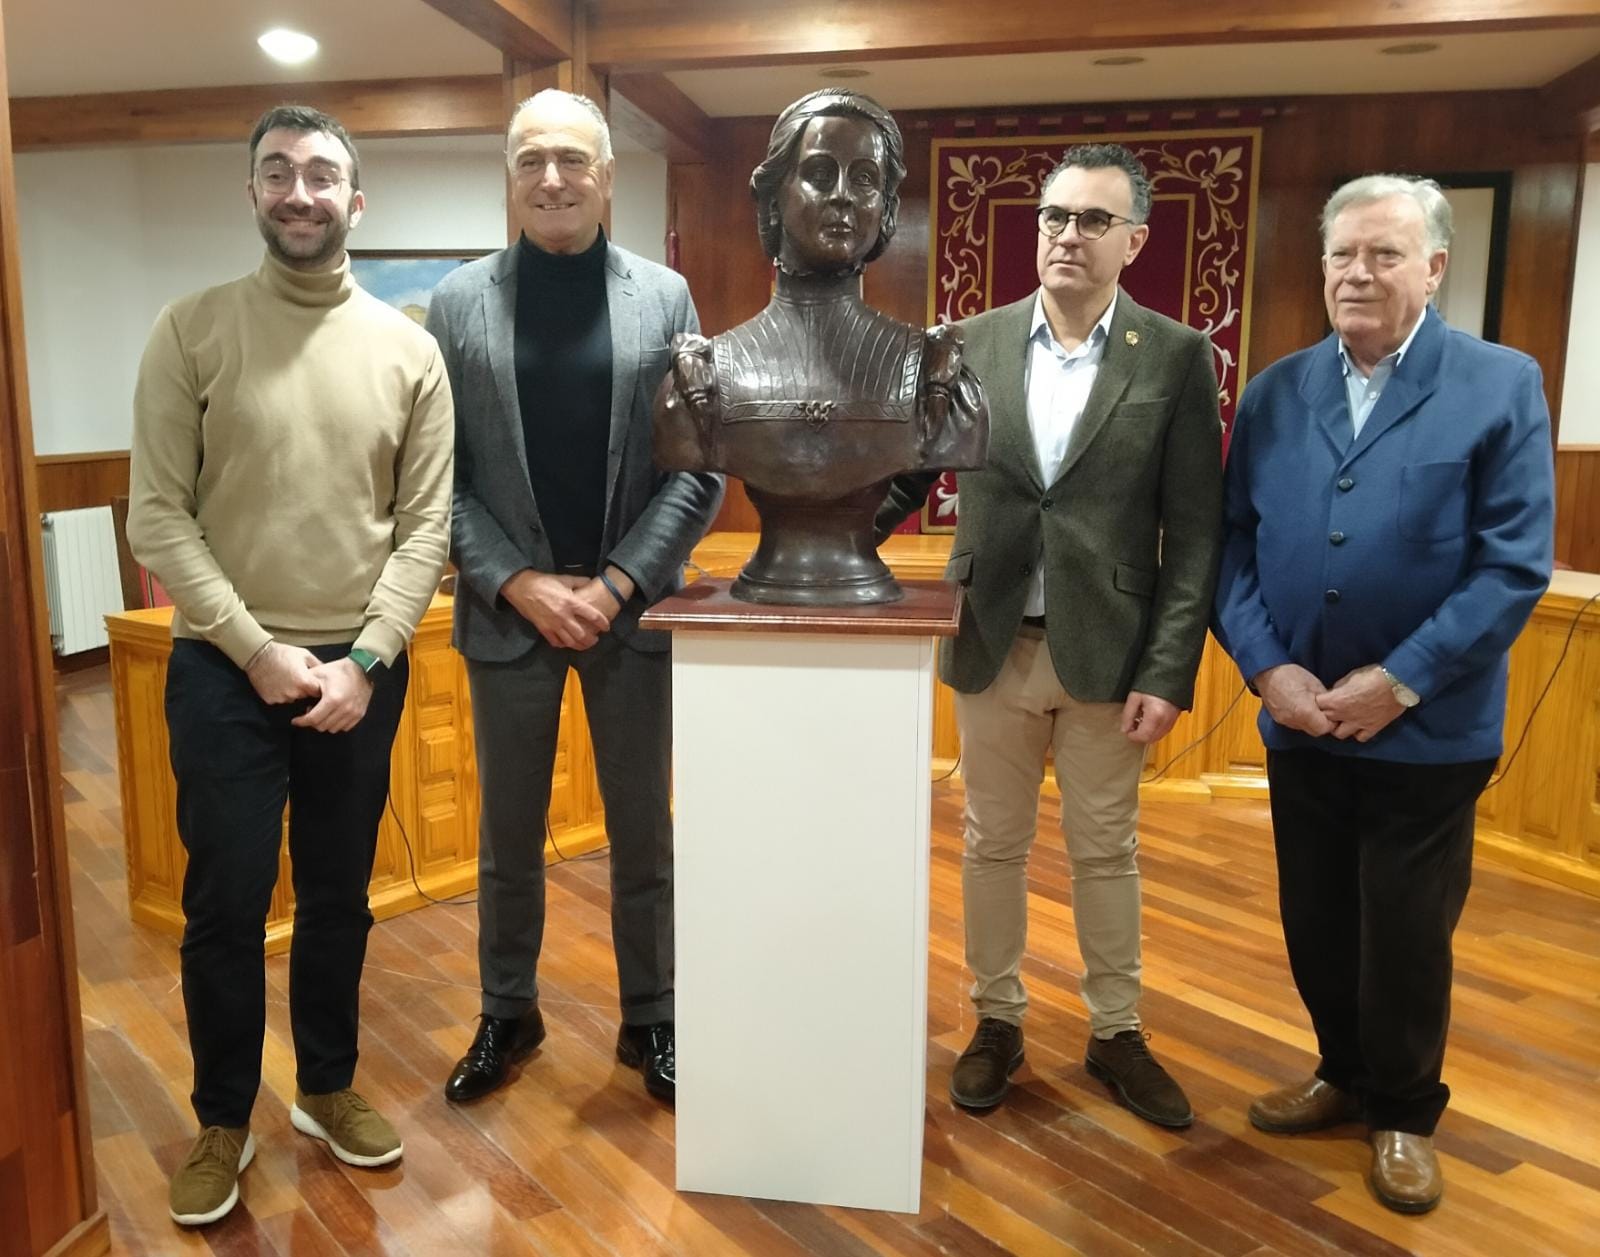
930	608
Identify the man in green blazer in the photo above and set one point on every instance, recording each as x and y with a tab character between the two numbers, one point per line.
1087	550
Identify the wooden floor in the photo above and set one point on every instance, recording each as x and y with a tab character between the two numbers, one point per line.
574	1158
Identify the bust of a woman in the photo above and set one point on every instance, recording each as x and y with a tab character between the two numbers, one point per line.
817	401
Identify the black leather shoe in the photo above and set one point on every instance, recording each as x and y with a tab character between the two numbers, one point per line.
652	1051
982	1075
499	1044
1123	1062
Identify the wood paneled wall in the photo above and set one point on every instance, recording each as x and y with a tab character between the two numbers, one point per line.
1578	507
47	1186
1307	148
70	481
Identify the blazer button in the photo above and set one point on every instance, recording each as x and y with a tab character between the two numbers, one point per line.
1346	484
1046	504
1027	569
1336	538
1331	596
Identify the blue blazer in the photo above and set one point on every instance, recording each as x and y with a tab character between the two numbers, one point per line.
1423	546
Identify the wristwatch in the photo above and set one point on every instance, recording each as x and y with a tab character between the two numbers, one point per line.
368	662
1403	693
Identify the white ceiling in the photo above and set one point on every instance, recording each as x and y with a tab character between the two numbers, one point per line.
60	47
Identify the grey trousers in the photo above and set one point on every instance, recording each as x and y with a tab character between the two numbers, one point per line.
516	709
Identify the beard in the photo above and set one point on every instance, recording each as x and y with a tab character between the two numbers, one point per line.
303	250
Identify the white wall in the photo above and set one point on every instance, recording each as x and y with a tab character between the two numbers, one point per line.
109	236
1580	392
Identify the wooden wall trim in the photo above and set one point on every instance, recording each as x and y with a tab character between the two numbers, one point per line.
1572	102
661	116
1578	507
70	481
648	35
90	1238
377	109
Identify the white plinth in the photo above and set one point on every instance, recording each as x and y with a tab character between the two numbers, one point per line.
802	794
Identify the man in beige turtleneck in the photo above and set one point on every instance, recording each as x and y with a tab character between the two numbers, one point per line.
291	479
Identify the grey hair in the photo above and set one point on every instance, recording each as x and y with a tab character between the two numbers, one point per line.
1438	226
553	94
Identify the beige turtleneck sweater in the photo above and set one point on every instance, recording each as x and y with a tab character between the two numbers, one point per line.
292	447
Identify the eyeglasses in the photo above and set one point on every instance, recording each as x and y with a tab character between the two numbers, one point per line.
278	176
1092	223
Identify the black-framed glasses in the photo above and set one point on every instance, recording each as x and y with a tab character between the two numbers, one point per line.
1092	223
278	175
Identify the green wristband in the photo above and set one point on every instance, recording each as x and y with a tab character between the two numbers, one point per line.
368	662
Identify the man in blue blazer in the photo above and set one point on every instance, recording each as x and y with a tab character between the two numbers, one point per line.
564	531
1389	522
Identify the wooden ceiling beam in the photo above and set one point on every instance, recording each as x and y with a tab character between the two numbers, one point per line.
382	108
656	113
1572	102
628	36
528	30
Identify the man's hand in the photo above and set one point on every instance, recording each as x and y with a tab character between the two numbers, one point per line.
346	690
595	593
1146	718
553	605
1361	705
1290	695
284	674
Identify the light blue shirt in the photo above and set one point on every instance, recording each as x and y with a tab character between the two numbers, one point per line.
1058	385
1364	390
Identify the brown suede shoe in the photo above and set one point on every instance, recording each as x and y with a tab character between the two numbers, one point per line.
1405	1171
206	1186
1123	1062
983	1072
1303	1107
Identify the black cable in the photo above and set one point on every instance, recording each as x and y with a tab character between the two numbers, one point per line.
952	771
1551	680
1226	712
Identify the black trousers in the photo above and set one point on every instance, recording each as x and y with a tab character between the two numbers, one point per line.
238	761
1374	862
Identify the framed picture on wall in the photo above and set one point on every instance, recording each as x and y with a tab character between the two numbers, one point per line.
1480	207
405	278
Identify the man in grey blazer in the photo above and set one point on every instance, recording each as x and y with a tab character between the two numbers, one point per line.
1088	551
564	531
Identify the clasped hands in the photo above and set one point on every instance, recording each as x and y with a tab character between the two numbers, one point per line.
569	611
1360	705
285	674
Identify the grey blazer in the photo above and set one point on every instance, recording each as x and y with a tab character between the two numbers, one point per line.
1130	532
652	520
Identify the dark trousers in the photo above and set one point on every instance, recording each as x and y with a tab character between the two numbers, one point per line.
237	761
1374	862
516	712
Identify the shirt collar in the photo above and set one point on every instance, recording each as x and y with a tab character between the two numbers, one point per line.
1097	335
1391	361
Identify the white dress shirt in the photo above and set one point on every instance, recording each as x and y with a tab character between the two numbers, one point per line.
1058	383
1363	391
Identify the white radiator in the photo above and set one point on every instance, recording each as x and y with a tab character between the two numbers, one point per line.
81	579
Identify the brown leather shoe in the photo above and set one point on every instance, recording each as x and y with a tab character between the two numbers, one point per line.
1303	1107
1405	1171
1123	1062
983	1072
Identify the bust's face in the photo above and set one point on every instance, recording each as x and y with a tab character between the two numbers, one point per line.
831	201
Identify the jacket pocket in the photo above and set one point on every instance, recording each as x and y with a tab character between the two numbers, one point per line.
1433	500
1145	408
959	568
1134	580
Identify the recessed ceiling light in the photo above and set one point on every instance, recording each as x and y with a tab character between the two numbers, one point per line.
1408	50
1119	59
290	47
843	72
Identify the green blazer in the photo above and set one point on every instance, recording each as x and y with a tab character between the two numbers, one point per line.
1129	532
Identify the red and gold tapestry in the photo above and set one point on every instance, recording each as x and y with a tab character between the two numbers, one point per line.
1196	266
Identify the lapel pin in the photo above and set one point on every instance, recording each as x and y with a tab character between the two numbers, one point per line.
1132	337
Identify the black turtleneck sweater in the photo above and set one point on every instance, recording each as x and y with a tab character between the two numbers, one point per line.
563	353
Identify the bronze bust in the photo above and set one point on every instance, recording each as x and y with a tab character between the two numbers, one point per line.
817	401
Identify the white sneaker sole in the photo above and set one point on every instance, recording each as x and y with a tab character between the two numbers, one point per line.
222	1210
308	1125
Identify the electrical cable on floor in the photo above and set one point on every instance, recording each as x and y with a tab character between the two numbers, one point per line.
1566	643
1226	712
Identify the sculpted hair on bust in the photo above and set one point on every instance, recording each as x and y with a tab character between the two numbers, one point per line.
1438	225
306	119
827	102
